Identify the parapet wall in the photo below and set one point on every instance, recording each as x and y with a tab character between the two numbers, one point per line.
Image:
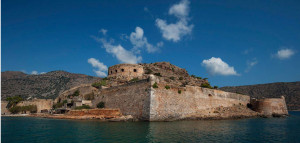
125	71
270	106
41	104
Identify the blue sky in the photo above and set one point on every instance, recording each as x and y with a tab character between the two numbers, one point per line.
230	42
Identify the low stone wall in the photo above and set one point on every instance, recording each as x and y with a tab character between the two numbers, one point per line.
96	112
132	99
270	106
41	104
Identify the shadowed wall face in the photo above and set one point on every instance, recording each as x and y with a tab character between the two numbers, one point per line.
270	106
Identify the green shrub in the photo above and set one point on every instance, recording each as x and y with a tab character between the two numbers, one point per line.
179	91
23	109
198	77
82	107
155	85
76	93
12	101
206	85
193	76
15	109
173	69
105	78
57	105
172	77
157	74
134	79
216	87
65	101
89	96
167	87
99	84
148	71
101	104
181	78
205	78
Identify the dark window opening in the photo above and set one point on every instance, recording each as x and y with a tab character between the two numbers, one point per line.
110	72
134	70
116	71
122	70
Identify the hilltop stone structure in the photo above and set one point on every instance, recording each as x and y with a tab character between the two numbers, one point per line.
125	71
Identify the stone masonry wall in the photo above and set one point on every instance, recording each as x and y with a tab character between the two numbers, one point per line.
270	106
40	103
168	104
4	110
125	71
132	99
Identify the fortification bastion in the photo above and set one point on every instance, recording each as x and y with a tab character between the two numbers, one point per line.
125	71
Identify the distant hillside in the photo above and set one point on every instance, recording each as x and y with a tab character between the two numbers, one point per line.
290	90
48	85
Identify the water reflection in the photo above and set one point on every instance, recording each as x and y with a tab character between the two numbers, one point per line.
245	130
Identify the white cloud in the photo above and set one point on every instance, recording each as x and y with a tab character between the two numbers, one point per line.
101	68
123	55
215	66
284	53
95	63
250	64
175	31
103	31
42	72
138	41
34	72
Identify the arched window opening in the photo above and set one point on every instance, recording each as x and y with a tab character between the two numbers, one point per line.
122	70
134	70
116	71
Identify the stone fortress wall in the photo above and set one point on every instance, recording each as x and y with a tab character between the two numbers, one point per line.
125	71
42	104
144	102
270	106
191	102
132	99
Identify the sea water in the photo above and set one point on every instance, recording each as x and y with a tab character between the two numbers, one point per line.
30	129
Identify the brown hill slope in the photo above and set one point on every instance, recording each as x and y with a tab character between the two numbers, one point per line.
48	85
290	90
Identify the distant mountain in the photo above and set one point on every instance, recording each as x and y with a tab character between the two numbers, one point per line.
290	90
48	85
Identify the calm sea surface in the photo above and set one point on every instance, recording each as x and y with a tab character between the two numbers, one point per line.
28	129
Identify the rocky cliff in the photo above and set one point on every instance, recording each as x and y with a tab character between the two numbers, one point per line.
46	86
290	90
